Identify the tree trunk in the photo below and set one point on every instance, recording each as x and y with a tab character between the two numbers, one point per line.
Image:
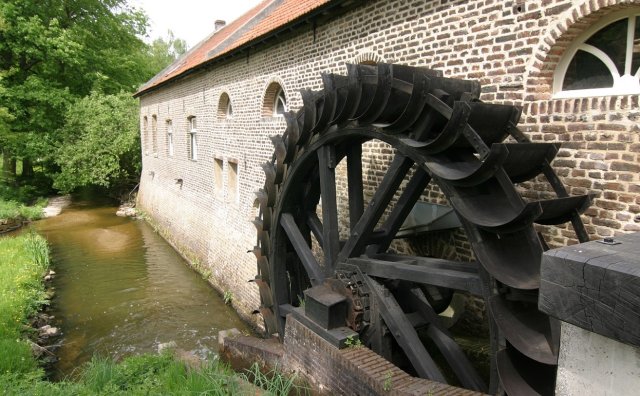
8	164
27	167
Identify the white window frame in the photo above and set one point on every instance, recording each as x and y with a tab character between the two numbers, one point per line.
170	148
280	97
193	138
627	84
229	110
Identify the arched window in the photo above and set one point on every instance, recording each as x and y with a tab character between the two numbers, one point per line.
605	60
281	104
275	101
225	110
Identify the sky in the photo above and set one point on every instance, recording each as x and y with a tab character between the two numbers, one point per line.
190	20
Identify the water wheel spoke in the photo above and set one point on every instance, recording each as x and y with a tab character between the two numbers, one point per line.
314	223
302	248
404	333
285	309
364	227
354	182
407	200
452	352
330	236
425	270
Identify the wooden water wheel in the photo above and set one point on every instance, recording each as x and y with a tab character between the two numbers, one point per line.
317	239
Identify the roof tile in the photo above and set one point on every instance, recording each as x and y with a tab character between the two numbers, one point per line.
261	20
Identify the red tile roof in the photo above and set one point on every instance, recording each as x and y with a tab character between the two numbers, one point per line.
258	23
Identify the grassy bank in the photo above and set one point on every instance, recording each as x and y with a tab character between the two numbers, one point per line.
23	262
15	210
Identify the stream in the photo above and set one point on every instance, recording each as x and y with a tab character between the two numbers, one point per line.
121	289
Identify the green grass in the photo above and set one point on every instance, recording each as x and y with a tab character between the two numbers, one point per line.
23	262
16	210
274	382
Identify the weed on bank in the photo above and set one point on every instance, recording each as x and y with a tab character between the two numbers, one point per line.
10	210
23	263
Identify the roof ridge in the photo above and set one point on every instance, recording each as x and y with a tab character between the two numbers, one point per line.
259	22
252	22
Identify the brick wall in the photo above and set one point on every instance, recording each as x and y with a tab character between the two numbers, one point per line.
351	371
511	47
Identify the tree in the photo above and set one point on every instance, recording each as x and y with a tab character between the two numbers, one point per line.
53	52
164	52
102	145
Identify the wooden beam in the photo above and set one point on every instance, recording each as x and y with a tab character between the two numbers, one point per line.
403	332
407	200
360	235
595	286
302	249
452	352
443	273
330	235
355	187
315	225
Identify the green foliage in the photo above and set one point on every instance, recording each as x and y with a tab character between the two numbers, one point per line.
54	54
274	382
353	342
163	52
22	268
101	143
388	382
15	210
227	297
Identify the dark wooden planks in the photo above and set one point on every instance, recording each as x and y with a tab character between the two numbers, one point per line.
596	287
457	276
301	247
330	236
404	333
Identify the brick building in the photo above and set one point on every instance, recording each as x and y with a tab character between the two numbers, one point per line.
206	120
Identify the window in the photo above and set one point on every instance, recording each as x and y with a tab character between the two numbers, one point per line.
145	133
193	140
232	180
605	60
281	104
217	176
225	111
169	138
275	101
154	134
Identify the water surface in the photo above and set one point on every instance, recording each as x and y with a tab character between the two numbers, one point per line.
121	289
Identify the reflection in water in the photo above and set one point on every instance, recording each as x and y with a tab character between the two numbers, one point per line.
121	289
